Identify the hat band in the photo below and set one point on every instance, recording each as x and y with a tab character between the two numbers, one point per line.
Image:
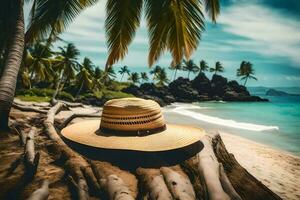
144	132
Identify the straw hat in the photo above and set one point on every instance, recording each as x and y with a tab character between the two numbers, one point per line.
132	124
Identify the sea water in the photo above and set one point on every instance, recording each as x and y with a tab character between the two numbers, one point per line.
275	123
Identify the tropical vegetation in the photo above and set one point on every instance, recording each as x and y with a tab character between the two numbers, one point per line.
178	30
246	71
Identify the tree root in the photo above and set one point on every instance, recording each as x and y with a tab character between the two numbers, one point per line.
42	193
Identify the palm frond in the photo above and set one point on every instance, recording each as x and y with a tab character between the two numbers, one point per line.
174	25
51	17
123	18
212	7
185	27
157	22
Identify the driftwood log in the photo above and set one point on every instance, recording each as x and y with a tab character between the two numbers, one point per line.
246	185
95	177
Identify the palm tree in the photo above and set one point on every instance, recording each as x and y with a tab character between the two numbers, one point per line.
155	71
124	70
162	78
47	19
98	78
134	77
65	64
178	32
41	62
144	76
84	79
246	71
176	68
218	68
109	74
190	66
203	67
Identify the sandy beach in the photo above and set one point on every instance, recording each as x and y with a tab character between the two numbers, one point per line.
277	169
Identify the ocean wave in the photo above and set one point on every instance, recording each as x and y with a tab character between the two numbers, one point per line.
219	121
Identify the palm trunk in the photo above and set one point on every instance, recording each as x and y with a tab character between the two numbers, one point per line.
189	74
175	74
245	81
12	65
53	99
78	92
121	77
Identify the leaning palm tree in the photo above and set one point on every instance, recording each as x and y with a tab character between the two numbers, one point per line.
162	78
65	65
176	68
41	66
144	76
109	74
134	77
155	71
246	71
218	68
203	67
84	79
190	66
124	70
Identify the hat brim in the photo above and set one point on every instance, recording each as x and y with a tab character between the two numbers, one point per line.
174	137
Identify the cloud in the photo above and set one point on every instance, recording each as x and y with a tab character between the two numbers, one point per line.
270	33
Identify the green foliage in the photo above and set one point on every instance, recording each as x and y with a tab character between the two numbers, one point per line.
218	68
44	92
115	94
117	86
190	66
33	98
246	71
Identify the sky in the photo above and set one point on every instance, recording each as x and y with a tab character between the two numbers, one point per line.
264	32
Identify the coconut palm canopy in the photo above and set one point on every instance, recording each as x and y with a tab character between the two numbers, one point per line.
246	71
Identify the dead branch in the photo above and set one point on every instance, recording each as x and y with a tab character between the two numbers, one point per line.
208	166
74	162
42	193
227	186
115	181
178	183
153	185
76	115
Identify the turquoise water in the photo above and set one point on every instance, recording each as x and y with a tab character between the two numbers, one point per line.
280	120
275	123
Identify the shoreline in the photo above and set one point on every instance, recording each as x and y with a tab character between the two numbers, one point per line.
277	169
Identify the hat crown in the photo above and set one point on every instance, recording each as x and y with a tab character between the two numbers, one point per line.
132	115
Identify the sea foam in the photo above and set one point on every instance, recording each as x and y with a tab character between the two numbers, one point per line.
184	110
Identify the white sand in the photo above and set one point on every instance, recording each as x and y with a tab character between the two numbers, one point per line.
278	170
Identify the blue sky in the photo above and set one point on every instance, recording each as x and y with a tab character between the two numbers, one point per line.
264	32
